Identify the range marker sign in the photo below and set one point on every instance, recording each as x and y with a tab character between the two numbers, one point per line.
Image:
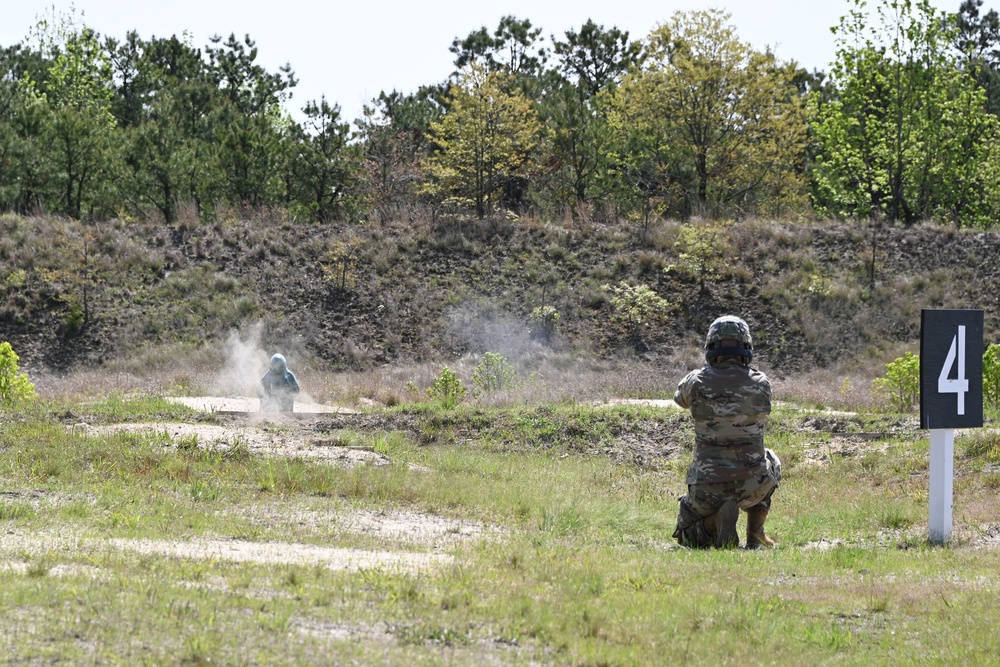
951	369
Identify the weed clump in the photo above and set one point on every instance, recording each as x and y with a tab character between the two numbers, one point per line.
14	385
447	389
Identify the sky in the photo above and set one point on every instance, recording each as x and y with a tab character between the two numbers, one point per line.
351	50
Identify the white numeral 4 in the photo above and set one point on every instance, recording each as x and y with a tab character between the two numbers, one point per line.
959	385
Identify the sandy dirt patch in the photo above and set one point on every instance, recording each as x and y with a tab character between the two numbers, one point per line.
823	453
414	531
21	552
656	403
243	404
400	529
266	439
285	553
413	527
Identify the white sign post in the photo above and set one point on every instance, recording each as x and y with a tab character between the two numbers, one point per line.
951	396
940	494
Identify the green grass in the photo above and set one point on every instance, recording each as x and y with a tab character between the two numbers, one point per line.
581	569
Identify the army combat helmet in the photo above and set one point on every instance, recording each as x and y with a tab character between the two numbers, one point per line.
278	364
729	328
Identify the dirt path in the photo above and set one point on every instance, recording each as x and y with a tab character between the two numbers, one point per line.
285	553
414	541
263	433
243	404
265	438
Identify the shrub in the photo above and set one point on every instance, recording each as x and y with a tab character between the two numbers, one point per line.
447	389
901	384
340	264
702	250
542	322
636	307
991	376
14	385
494	373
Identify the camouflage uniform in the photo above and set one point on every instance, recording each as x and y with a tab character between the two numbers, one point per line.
729	402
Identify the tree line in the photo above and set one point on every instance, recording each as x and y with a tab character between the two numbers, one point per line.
689	120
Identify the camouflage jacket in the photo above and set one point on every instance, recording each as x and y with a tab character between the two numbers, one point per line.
729	403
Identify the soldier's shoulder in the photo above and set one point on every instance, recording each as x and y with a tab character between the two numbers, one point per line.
759	376
693	376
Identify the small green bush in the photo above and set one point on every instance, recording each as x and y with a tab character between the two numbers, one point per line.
340	264
636	307
447	389
901	384
542	322
702	250
14	385
76	318
494	373
991	377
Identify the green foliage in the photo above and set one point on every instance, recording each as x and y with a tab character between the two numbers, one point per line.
543	320
982	443
75	319
91	127
906	136
597	57
901	384
738	146
494	373
14	385
702	250
579	146
485	141
393	131
75	132
325	169
574	109
819	284
447	389
636	307
340	264
511	49
904	128
991	376
16	279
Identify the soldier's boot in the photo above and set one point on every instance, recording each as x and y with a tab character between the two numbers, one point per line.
756	538
722	525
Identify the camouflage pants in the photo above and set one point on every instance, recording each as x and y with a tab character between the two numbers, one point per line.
703	500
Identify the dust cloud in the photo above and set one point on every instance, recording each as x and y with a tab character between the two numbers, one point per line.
486	328
245	361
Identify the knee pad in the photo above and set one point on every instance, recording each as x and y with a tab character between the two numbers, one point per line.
773	465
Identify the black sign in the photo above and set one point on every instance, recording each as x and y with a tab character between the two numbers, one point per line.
951	369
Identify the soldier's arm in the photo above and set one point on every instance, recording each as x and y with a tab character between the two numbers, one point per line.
682	396
765	391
